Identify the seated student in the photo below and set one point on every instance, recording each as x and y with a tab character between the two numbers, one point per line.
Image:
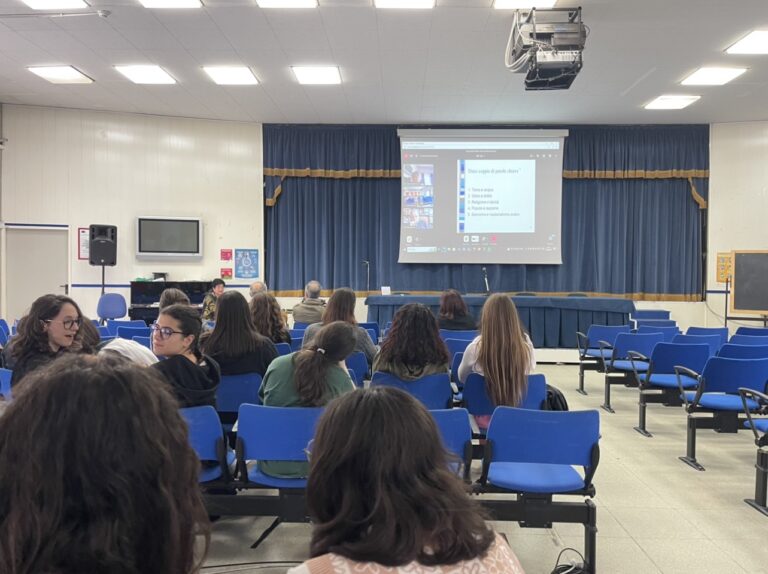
258	287
502	353
453	314
341	307
311	308
308	378
234	342
50	328
121	498
88	339
209	302
131	350
366	496
173	296
413	347
268	319
193	376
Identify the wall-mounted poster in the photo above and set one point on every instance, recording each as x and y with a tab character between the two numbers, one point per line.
226	255
247	263
226	273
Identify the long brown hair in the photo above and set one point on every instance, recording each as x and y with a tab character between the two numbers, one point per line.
332	343
96	473
503	352
267	317
452	305
31	335
390	501
340	307
234	334
414	338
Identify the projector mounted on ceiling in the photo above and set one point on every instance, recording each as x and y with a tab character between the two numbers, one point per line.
547	45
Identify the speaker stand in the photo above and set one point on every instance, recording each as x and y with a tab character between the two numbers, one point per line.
103	282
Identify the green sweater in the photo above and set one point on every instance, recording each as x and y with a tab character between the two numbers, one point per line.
278	390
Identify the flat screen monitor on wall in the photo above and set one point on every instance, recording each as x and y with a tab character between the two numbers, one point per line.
169	237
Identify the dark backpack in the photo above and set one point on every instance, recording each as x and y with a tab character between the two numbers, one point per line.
555	399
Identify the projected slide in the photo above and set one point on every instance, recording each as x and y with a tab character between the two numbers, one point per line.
481	196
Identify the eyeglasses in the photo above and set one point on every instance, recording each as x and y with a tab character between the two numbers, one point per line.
308	449
164	332
68	324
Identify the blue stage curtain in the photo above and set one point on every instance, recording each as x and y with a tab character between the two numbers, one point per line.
624	234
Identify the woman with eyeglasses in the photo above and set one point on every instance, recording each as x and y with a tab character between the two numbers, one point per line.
193	376
50	328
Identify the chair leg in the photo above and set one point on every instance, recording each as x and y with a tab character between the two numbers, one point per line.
690	456
581	380
267	532
590	539
642	406
607	400
760	501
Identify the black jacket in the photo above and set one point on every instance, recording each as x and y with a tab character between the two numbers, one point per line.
31	362
256	362
462	323
193	385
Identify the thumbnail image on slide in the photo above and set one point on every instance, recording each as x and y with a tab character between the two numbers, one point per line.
418	217
418	174
496	196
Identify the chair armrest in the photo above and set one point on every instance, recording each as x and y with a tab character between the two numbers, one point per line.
581	339
680	370
604	346
762	398
635	356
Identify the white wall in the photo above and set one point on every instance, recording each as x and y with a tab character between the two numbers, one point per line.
82	167
738	199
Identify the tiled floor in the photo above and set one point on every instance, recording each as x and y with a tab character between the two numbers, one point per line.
655	514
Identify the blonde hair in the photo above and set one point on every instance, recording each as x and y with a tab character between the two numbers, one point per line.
503	352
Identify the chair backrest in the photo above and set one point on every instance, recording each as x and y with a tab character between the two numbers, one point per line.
288	430
372	335
113	325
667	356
655	323
104	331
650	314
731	351
638	342
478	402
714	342
283	348
454	428
296	344
5	328
5	384
144	341
455	363
299	326
723	375
297	333
466	335
3	338
434	391
668	332
235	390
606	333
359	365
722	332
546	437
111	306
376	329
753	331
205	431
457	345
748	340
131	332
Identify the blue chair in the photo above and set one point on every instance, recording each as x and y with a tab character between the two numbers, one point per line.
466	335
233	391
668	332
457	436
113	325
104	331
283	348
434	391
759	428
591	355
532	454
376	330
3	338
478	402
730	351
131	332
372	335
457	345
299	326
5	328
753	331
650	314
717	395
714	342
111	306
143	341
207	440
748	340
619	368
297	333
660	384
654	323
722	332
455	364
358	364
5	384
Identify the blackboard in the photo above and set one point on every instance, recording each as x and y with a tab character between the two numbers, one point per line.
750	282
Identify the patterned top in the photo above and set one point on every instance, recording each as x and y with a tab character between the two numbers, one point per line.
498	560
209	307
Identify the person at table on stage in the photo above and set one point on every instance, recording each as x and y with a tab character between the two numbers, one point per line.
258	287
453	314
209	303
311	308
